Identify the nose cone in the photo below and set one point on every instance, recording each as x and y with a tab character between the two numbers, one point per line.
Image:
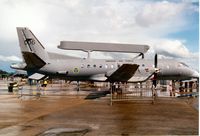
195	74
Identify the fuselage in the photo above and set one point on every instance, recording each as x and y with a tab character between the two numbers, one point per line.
86	69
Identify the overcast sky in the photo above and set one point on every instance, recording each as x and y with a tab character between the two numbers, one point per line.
169	27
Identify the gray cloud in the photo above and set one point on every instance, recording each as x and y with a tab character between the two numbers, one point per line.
10	58
120	21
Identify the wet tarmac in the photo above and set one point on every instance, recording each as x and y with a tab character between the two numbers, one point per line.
62	111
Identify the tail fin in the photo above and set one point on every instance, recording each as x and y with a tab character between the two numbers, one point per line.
33	52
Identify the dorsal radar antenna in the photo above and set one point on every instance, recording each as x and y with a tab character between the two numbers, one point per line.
104	47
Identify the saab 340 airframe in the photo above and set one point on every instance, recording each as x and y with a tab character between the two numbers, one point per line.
39	63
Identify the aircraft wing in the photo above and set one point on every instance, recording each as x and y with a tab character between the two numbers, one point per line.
142	75
123	73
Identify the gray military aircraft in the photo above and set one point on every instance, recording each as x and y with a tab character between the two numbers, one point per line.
39	63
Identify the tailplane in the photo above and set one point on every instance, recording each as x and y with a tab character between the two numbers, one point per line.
33	52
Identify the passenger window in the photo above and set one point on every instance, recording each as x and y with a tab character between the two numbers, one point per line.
88	66
82	65
94	66
167	66
106	66
100	66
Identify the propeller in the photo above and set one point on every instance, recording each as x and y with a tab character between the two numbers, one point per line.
156	60
156	70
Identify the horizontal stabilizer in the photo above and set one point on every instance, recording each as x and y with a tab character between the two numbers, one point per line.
36	76
124	73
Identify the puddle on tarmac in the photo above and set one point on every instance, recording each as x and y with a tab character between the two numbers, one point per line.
64	132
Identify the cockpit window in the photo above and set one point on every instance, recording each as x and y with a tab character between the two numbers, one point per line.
182	64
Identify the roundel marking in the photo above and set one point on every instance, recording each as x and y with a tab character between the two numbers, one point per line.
76	70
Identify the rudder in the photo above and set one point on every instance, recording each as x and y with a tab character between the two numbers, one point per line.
33	52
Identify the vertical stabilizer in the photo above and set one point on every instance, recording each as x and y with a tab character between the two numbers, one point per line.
33	52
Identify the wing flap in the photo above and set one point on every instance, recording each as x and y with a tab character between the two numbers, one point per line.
124	73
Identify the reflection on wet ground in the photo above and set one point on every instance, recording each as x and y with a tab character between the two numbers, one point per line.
64	132
61	110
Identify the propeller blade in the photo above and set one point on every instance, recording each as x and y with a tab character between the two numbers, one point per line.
155	74
156	61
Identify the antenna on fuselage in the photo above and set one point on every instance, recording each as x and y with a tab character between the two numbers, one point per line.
88	54
141	54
